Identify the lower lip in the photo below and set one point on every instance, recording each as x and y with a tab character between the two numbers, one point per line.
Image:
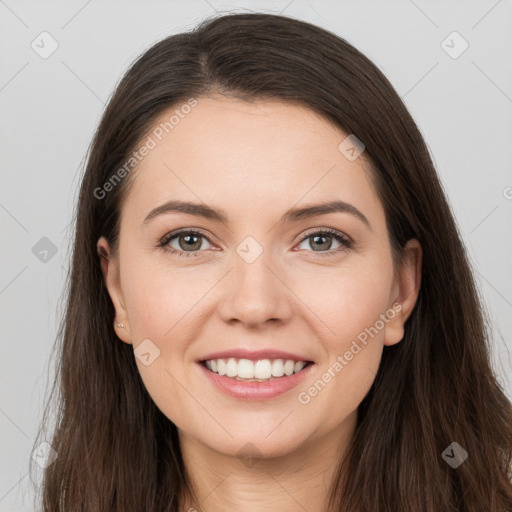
246	390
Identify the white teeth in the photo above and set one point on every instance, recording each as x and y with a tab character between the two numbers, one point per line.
232	368
298	366
246	369
221	367
263	369
289	366
277	368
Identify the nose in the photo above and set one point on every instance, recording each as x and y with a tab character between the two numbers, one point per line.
256	293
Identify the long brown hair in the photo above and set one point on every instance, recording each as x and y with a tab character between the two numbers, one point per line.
118	452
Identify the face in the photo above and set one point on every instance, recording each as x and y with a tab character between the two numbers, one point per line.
317	287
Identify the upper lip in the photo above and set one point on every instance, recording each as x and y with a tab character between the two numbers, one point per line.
254	355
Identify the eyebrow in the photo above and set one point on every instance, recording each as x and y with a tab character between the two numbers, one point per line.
292	215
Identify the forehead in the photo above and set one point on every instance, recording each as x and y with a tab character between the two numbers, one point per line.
262	155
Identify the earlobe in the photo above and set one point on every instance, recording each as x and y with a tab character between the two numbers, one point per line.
110	271
406	291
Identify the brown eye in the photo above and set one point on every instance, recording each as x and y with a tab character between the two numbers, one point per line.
189	242
322	241
184	242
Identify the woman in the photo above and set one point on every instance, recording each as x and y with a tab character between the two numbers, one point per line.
270	306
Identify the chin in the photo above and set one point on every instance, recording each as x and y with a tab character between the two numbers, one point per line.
257	444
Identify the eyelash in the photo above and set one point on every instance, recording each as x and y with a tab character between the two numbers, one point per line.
346	242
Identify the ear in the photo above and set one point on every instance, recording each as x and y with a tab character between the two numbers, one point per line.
111	278
405	292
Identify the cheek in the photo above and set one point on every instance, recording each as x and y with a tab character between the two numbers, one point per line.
350	303
160	304
158	297
349	299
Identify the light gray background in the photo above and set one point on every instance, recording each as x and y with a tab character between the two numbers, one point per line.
50	107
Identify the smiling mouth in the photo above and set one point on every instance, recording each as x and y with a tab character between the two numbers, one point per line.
261	370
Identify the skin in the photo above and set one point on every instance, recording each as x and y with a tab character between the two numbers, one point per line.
255	161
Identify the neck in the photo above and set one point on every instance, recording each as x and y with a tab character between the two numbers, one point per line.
300	480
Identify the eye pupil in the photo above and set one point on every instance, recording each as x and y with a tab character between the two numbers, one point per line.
189	243
316	237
